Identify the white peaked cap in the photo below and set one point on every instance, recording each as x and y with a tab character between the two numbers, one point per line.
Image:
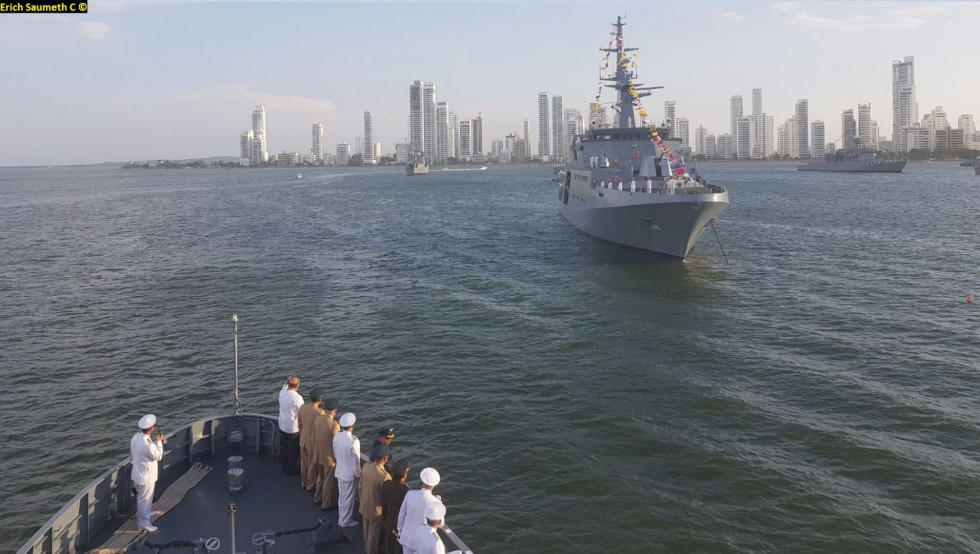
147	421
435	511
429	476
347	419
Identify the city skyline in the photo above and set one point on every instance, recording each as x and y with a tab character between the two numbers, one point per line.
121	95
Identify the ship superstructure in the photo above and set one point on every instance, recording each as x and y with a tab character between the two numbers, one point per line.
628	184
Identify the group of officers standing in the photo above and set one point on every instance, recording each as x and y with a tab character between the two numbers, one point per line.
326	455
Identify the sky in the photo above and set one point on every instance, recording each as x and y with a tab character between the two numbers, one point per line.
177	80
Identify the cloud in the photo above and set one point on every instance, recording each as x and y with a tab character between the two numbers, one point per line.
783	6
853	23
732	16
93	30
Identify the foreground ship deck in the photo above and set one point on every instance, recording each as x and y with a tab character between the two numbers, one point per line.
269	501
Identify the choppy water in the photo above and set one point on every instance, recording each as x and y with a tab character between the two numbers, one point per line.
817	394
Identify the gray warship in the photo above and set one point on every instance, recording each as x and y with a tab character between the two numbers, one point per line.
853	160
220	489
628	184
417	165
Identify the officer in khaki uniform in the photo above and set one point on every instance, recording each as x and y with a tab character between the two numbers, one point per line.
373	476
307	414
324	429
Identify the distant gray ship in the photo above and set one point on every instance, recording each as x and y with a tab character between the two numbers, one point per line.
628	184
417	165
854	160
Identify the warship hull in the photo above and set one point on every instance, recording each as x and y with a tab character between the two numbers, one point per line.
854	166
661	221
416	169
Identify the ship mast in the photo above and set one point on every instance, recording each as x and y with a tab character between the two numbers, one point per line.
623	78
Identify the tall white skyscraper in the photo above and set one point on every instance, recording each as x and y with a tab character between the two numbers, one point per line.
818	136
454	135
429	105
803	127
476	135
245	145
558	146
343	153
684	133
416	116
368	154
700	137
735	113
743	141
905	110
527	133
544	145
864	125
317	149
757	101
260	150
670	116
760	136
848	127
443	137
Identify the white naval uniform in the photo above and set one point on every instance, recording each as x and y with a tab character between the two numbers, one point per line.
411	518
347	452
429	542
146	454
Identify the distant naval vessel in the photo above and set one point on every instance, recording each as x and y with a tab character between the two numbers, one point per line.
628	184
417	165
853	160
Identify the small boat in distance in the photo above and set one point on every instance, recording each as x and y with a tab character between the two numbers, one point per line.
417	165
481	168
299	175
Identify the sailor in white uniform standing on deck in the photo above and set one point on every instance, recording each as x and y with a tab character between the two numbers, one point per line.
411	516
347	451
146	454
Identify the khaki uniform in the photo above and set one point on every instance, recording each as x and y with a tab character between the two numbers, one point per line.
307	414
324	429
372	479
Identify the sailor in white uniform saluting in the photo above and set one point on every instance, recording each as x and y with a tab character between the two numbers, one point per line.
146	454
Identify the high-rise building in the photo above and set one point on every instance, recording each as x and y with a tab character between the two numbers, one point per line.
802	128
443	137
848	129
818	136
670	116
260	150
429	135
710	147
317	149
933	122
760	136
454	135
757	101
465	140
527	132
700	137
245	144
905	110
422	118
416	116
544	146
476	132
558	146
343	153
743	145
735	113
369	158
864	125
726	147
789	142
684	133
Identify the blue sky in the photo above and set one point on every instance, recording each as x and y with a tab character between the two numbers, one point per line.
136	80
